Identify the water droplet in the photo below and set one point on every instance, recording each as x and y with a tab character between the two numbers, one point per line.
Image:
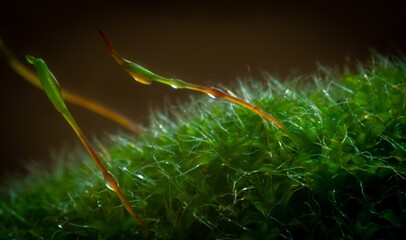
174	86
99	203
212	96
111	183
109	186
62	222
140	176
288	94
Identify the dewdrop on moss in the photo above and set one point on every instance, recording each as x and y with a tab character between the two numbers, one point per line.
62	222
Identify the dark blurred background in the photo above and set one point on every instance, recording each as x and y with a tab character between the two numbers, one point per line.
207	42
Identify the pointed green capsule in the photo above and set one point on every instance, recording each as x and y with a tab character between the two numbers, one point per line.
49	83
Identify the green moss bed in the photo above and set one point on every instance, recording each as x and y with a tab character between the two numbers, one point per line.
209	169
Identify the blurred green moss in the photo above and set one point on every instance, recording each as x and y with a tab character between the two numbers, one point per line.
213	170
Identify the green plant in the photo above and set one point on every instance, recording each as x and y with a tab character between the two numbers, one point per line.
338	170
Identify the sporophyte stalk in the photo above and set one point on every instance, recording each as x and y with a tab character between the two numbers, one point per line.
52	90
145	76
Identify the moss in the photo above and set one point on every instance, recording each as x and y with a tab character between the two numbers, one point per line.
215	170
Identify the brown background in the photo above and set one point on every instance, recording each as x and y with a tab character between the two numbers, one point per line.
207	43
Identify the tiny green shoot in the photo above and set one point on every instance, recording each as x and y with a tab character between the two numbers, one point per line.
53	91
69	96
145	76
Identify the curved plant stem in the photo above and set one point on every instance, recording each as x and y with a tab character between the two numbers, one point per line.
51	88
145	76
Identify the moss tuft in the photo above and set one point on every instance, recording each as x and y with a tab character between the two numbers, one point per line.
218	171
